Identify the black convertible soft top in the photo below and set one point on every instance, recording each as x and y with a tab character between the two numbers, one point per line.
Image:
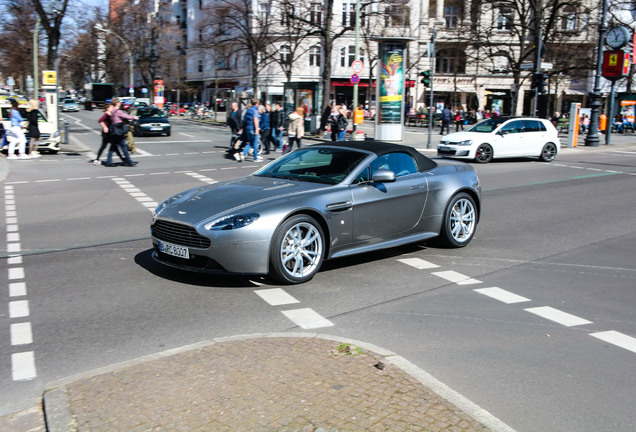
380	148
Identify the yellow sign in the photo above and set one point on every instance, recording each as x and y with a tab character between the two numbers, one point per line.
49	77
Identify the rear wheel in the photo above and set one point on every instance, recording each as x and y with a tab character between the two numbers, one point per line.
483	153
460	221
548	153
298	248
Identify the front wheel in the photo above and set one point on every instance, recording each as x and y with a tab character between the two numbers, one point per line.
298	248
548	153
460	221
483	153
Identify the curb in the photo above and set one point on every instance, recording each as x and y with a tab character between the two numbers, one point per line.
59	417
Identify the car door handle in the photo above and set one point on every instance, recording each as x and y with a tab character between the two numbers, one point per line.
420	186
340	206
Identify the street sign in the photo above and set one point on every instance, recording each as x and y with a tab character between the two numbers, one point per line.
355	78
530	66
49	77
357	66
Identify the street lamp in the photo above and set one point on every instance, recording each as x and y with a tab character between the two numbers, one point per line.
131	88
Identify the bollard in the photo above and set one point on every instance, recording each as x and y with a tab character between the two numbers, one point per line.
65	132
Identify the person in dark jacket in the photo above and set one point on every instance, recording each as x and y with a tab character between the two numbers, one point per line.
446	121
34	131
277	122
265	125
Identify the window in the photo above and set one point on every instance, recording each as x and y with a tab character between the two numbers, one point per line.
200	65
221	62
285	54
568	20
512	127
400	163
348	55
315	13
314	55
533	126
263	11
348	15
200	35
397	14
450	61
451	14
500	63
504	18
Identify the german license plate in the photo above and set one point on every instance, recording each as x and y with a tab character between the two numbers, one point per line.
443	148
156	129
174	250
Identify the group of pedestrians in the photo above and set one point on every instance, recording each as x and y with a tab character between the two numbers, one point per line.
15	135
114	131
260	129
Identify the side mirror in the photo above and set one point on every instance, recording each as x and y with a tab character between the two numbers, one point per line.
383	176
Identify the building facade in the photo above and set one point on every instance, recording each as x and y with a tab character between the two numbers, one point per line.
483	55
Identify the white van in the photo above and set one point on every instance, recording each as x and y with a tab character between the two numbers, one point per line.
49	135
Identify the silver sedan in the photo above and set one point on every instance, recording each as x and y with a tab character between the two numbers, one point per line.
320	202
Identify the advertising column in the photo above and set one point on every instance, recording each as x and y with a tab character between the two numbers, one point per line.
158	97
390	90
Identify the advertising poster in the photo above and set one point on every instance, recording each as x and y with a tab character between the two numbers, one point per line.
391	82
305	99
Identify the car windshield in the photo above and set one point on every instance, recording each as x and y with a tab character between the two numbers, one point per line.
69	101
317	165
488	125
149	112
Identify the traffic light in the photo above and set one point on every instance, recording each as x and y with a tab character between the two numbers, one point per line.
426	78
539	82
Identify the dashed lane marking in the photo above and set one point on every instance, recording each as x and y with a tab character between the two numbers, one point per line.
618	339
458	278
502	295
23	366
307	318
21	334
558	316
19	309
418	263
134	192
276	296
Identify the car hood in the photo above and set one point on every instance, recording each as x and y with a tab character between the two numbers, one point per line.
199	204
456	137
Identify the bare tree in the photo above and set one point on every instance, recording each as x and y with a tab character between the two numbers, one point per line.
51	21
17	31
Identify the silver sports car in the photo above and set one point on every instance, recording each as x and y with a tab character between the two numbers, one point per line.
319	202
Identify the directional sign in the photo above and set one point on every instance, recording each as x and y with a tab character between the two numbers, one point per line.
357	66
355	78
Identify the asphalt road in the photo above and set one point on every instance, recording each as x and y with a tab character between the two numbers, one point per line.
533	321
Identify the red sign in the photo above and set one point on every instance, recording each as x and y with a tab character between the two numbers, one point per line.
355	78
615	64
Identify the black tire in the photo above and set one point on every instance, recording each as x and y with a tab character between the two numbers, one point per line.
298	250
168	133
460	221
483	153
548	153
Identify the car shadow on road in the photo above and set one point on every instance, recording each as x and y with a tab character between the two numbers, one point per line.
144	259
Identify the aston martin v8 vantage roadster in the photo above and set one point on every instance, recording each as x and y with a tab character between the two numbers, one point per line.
319	202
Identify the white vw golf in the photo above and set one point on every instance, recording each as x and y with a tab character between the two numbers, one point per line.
503	137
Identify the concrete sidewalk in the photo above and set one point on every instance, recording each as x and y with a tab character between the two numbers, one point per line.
266	382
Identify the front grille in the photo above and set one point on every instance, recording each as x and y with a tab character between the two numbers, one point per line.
449	152
183	235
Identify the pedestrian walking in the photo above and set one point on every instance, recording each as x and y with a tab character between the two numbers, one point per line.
251	128
33	117
105	122
234	121
277	120
265	125
446	120
118	130
296	129
16	135
341	125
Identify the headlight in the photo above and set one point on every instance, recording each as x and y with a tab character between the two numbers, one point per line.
465	143
232	222
56	134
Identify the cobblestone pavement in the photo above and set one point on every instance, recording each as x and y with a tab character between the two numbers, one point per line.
283	383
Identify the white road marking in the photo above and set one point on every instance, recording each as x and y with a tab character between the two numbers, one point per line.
14	247
23	366
21	334
201	177
141	197
19	309
142	153
17	289
15	260
13	236
307	318
618	339
458	278
276	296
16	273
418	263
558	316
502	295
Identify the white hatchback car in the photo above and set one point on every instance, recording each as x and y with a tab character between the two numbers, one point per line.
503	137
